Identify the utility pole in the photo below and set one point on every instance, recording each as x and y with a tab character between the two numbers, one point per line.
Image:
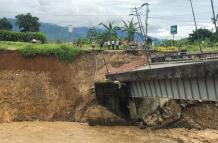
143	30
146	23
214	19
139	21
196	27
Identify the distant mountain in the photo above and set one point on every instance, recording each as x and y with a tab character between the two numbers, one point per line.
55	32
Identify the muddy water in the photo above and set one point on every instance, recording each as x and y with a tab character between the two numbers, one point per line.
62	132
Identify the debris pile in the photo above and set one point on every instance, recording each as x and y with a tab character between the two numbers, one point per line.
187	114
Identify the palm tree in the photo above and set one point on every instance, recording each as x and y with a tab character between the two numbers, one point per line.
92	33
130	28
110	32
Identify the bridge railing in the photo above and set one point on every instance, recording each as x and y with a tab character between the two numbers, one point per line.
182	56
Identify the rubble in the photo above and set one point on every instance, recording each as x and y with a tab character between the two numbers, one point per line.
180	114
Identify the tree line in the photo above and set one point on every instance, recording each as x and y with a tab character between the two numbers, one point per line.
203	35
28	26
25	23
109	32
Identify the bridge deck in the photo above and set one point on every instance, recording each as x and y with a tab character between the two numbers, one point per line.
166	65
188	81
169	70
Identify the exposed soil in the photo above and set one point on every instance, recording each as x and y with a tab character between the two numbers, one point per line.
43	88
61	132
203	114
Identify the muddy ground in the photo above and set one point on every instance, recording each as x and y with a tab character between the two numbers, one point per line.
63	132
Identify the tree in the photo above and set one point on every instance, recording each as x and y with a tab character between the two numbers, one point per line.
27	23
203	35
5	24
215	36
130	28
92	34
110	32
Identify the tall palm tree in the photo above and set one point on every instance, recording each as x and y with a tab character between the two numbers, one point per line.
110	32
130	28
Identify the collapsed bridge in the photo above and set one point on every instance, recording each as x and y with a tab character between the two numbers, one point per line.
179	80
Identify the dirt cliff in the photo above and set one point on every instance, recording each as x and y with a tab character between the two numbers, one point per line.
43	88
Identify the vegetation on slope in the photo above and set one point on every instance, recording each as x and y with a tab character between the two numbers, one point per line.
64	52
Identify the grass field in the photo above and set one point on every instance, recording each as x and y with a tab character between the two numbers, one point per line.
64	52
190	47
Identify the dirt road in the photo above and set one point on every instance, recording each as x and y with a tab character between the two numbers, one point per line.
64	132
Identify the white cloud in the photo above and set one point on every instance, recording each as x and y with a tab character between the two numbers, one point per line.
164	13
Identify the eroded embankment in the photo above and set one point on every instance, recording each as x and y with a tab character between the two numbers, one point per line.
43	88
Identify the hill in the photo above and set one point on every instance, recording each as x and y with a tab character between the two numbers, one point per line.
55	32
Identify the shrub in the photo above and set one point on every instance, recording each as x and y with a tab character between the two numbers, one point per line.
22	37
64	53
167	49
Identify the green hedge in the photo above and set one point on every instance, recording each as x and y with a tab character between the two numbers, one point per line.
22	37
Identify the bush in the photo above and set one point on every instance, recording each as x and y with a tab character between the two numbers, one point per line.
64	53
22	37
167	49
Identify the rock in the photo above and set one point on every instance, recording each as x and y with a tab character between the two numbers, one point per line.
187	122
167	113
144	107
153	120
170	113
163	101
171	109
132	110
99	115
165	116
141	125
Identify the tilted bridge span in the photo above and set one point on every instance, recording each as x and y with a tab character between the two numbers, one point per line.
179	80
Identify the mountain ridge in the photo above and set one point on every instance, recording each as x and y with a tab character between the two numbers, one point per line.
55	32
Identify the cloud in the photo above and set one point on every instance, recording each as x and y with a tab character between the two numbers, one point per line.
163	13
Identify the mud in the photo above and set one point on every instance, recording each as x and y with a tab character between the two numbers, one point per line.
63	132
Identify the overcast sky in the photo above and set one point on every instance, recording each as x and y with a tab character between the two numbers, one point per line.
163	13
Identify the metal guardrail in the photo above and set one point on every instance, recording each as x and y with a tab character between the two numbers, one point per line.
182	56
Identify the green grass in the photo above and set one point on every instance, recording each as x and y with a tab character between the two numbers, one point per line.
64	52
68	52
190	48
